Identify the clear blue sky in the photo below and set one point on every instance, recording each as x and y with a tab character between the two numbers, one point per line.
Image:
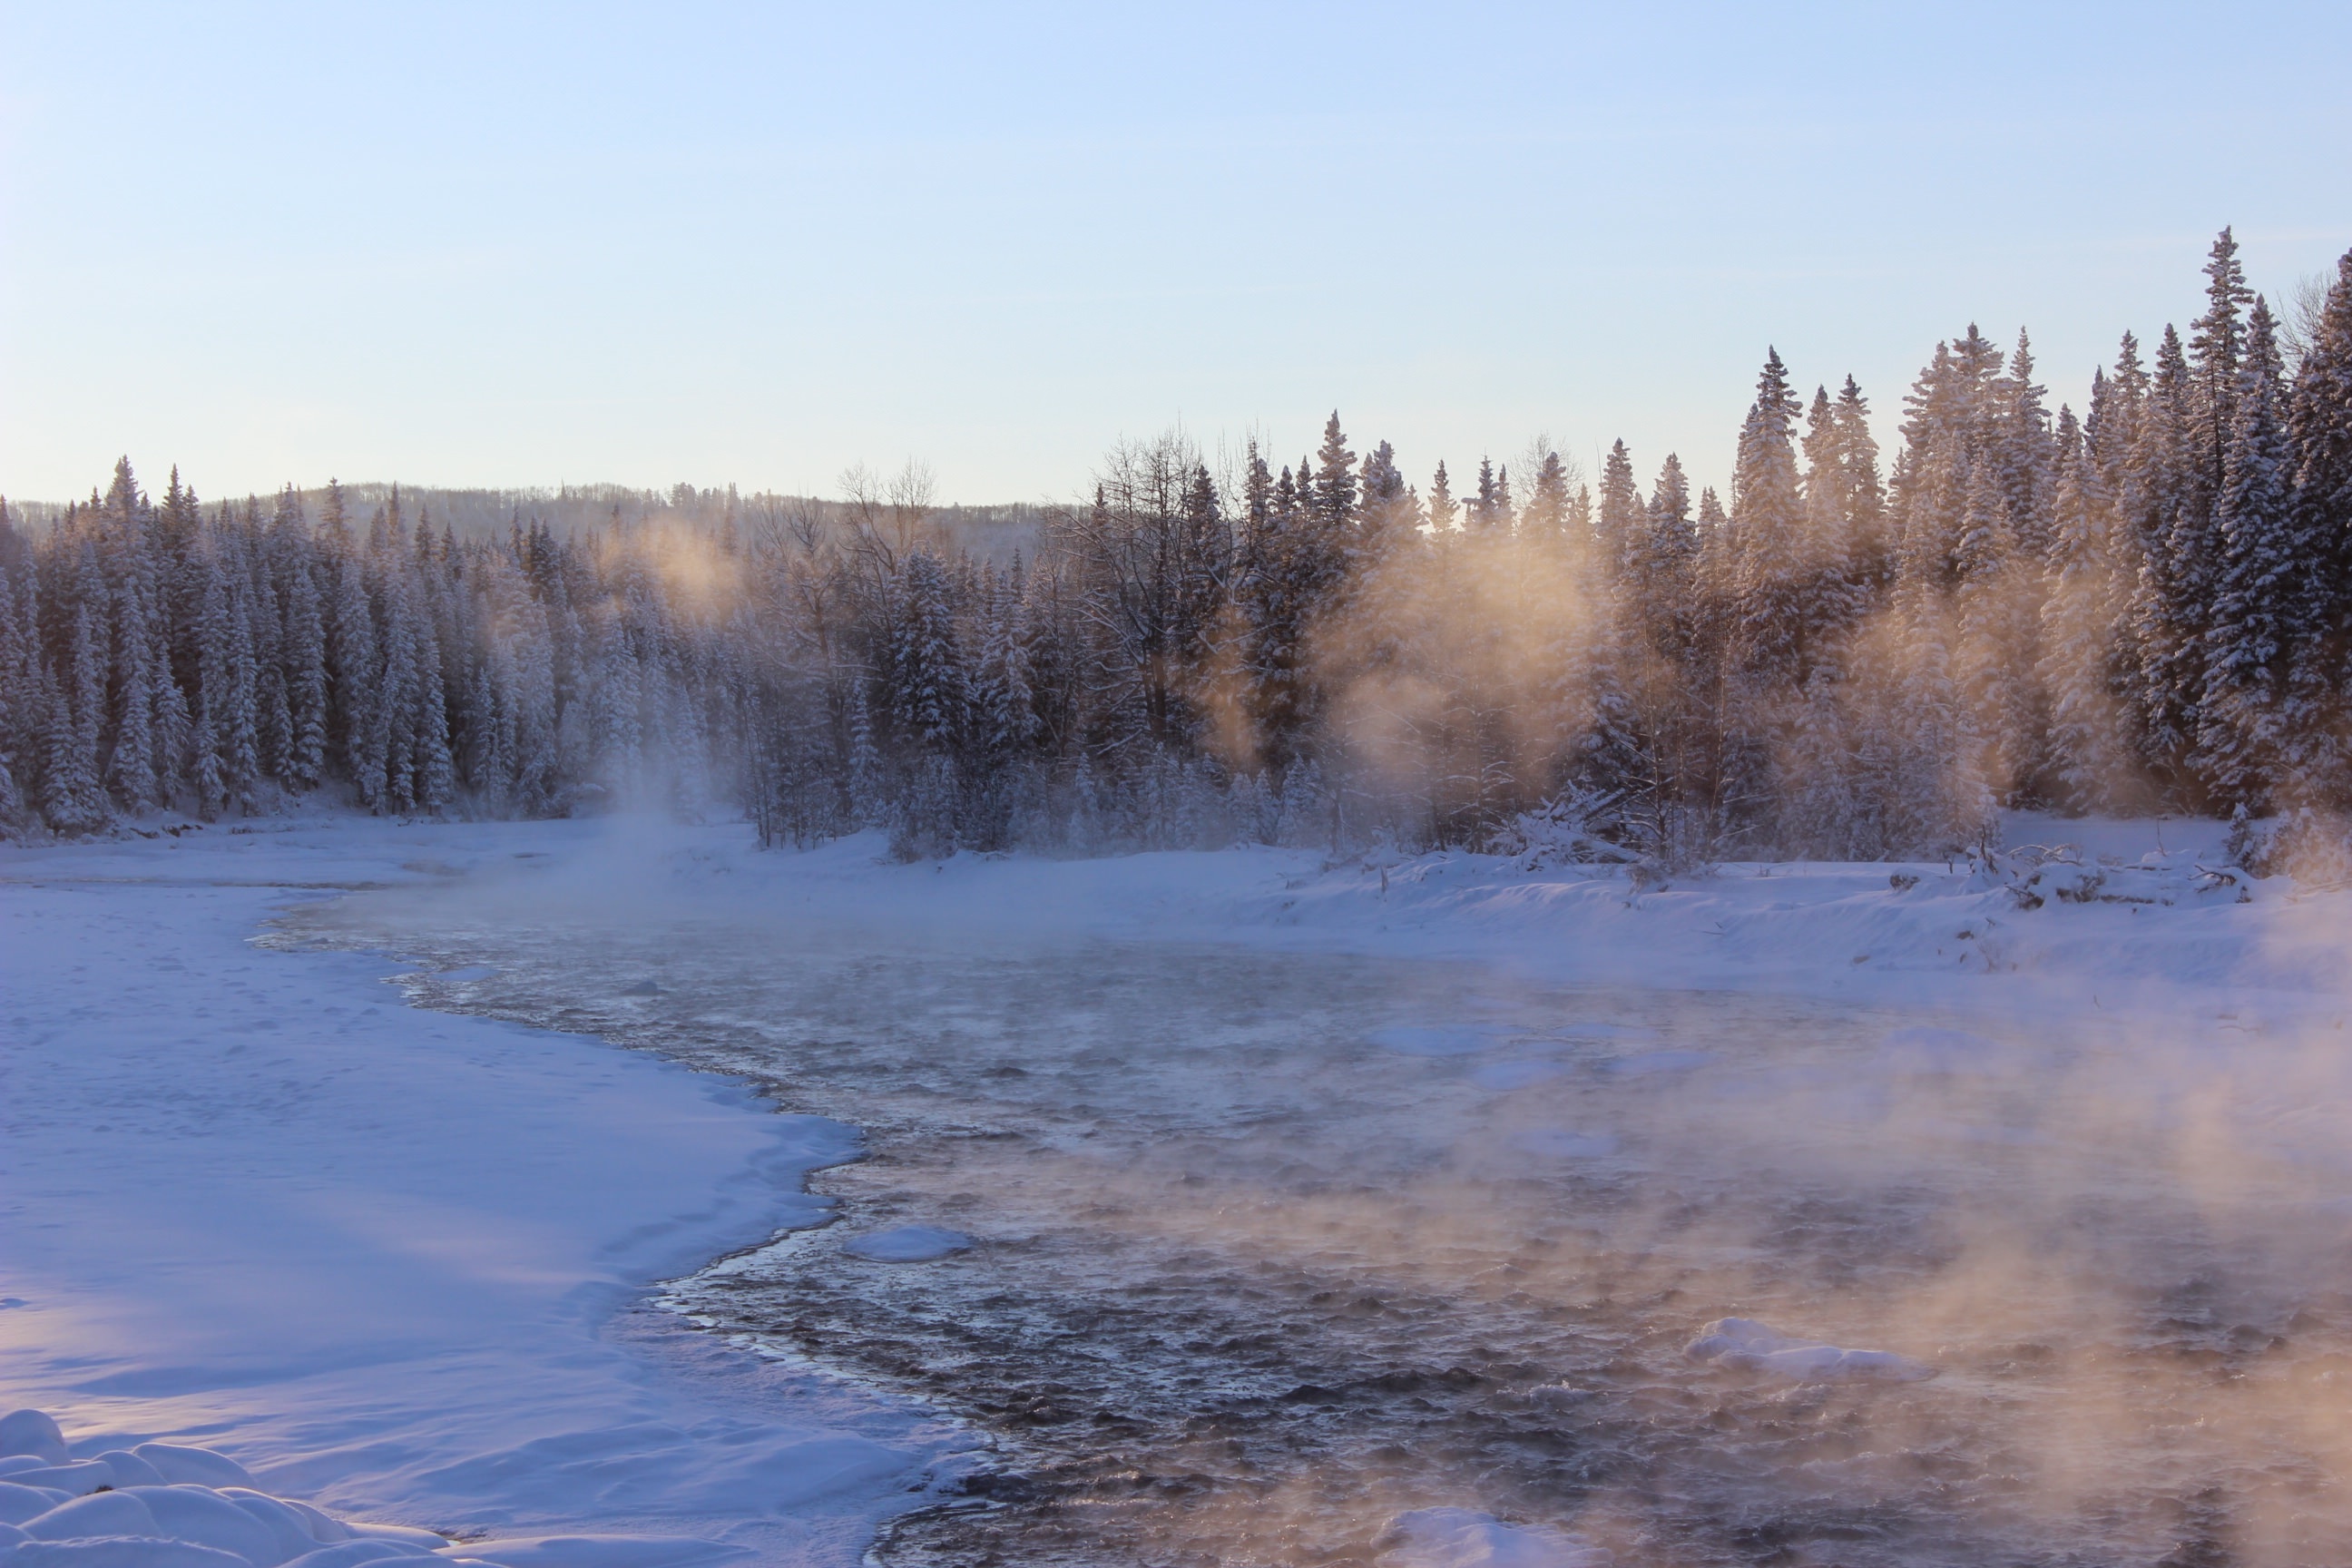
510	245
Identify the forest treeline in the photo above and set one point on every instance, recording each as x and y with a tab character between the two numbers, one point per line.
2148	606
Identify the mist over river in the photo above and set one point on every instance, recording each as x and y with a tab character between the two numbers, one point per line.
1238	1256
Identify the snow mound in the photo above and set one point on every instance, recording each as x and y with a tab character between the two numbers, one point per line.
161	1505
1751	1346
30	1434
1443	1040
907	1244
1464	1538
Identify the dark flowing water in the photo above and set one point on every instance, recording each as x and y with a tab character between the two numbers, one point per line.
1269	1247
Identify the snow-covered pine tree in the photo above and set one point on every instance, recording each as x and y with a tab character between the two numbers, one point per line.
2175	574
1618	517
2216	346
1386	512
74	800
2251	626
132	773
1444	512
1870	553
305	655
2025	454
2319	421
2089	753
1546	514
1770	554
867	785
1489	509
928	690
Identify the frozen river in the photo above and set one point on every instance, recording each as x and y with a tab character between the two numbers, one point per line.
1235	1256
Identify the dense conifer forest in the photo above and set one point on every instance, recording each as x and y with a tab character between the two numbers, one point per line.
2145	607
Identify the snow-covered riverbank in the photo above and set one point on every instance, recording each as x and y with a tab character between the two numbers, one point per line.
390	1259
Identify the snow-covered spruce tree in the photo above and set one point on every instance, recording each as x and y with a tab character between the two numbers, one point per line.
74	800
1772	563
1490	508
2089	756
1444	512
2252	626
2319	673
304	654
2022	448
2174	574
1869	553
1618	517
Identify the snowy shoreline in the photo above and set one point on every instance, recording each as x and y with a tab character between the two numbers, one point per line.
393	1261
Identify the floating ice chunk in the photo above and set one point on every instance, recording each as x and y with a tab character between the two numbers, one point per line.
1561	1395
1559	1143
907	1244
1440	1040
601	1552
1751	1346
1514	1074
1464	1538
201	1466
33	1432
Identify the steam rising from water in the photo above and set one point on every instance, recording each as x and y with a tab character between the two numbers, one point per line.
1269	1249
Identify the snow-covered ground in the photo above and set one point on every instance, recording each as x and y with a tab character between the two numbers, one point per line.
392	1261
388	1259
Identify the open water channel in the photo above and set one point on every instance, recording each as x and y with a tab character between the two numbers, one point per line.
1268	1248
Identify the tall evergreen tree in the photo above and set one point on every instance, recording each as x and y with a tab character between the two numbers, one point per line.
2252	625
2320	670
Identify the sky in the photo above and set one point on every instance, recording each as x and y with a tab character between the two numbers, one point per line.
518	246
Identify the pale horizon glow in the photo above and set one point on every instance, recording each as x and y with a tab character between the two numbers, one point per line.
718	244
